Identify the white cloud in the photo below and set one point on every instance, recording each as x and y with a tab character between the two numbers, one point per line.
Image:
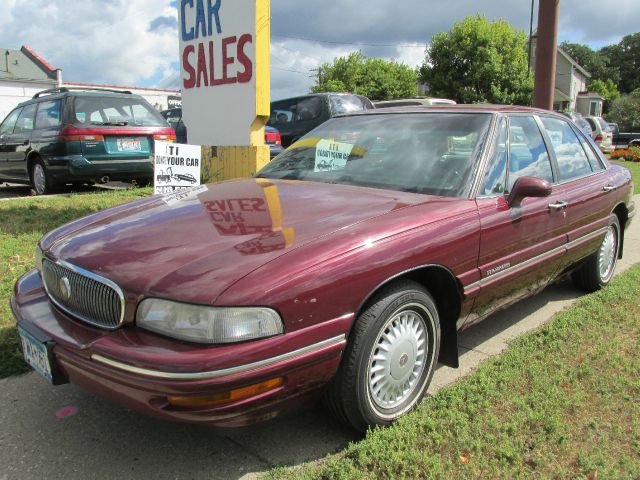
94	40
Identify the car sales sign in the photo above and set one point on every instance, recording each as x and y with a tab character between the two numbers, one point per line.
224	64
176	166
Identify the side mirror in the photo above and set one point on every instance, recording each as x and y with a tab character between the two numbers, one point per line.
528	187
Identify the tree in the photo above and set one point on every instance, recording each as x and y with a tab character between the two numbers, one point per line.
479	61
374	78
607	89
598	64
626	57
625	111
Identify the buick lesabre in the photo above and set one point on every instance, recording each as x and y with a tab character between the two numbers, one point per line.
345	269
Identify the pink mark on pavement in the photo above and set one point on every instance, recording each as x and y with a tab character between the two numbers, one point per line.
68	411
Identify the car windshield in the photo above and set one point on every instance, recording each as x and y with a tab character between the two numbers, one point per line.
430	153
344	104
95	110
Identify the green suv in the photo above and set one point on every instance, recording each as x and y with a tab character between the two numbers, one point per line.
80	135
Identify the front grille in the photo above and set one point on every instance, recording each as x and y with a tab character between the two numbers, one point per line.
84	295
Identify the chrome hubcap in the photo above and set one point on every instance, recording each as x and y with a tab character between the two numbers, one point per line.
607	254
398	359
38	178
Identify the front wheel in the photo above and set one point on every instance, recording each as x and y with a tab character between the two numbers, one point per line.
598	269
390	358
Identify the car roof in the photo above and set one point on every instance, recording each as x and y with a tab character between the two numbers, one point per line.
459	108
77	93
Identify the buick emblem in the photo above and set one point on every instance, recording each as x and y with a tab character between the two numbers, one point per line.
403	359
65	288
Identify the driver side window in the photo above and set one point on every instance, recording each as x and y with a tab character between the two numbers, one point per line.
496	172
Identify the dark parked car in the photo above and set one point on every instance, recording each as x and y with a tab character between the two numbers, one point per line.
295	117
80	135
346	267
174	117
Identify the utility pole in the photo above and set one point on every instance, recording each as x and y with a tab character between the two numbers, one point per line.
546	51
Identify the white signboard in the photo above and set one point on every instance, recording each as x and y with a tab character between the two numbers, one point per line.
176	166
331	155
223	87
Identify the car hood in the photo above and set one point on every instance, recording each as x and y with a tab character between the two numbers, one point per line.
192	244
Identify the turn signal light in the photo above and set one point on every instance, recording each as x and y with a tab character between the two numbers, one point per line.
234	395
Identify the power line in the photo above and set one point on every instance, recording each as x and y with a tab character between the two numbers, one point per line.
350	43
290	70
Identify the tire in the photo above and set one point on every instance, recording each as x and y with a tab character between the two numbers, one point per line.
41	181
143	182
377	385
598	269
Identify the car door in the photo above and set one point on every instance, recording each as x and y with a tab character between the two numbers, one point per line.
18	144
6	129
584	185
521	245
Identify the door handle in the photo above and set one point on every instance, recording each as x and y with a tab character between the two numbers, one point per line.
608	188
558	205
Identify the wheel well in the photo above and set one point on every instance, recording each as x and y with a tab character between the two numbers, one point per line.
30	161
623	215
447	294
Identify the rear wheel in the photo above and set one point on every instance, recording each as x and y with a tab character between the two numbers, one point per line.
390	358
41	180
598	269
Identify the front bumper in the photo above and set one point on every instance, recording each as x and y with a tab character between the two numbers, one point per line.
77	167
141	370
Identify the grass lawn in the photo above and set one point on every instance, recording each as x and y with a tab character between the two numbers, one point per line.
634	168
563	402
22	224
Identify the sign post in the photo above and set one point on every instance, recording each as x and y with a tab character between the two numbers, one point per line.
224	64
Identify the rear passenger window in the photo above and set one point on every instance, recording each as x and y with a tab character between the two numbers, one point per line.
527	152
26	118
572	160
309	108
48	114
594	161
282	112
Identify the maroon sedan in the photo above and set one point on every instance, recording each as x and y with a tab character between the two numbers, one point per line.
346	267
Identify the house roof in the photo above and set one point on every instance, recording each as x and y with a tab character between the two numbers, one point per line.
574	63
25	64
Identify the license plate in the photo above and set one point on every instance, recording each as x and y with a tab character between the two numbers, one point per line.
36	354
129	144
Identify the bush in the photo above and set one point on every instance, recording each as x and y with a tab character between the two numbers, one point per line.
625	111
628	154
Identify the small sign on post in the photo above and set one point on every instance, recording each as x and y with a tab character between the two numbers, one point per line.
176	166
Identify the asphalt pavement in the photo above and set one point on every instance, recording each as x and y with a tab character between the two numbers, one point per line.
66	433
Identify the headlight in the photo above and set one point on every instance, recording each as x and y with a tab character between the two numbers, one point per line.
39	257
202	324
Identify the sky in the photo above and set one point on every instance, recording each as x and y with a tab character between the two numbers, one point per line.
135	42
